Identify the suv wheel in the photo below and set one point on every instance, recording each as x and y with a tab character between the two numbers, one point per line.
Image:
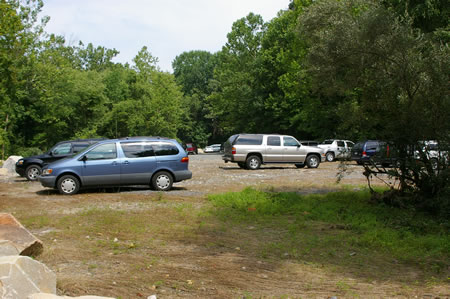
253	162
330	156
32	172
312	161
68	185
162	181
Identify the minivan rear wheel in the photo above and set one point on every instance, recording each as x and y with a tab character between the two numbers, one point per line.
253	162
68	185
162	181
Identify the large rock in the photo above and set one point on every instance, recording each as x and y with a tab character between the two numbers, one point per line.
50	296
21	276
17	237
10	164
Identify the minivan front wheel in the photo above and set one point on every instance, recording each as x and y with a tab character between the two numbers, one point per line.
162	181
32	172
68	185
312	161
253	162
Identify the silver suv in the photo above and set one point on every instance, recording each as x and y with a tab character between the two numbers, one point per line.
251	150
337	149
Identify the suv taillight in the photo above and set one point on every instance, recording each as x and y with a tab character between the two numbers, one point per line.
233	151
364	154
185	160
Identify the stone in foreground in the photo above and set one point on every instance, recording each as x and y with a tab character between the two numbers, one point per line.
18	237
21	276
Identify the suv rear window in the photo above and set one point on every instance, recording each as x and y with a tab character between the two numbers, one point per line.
249	140
273	141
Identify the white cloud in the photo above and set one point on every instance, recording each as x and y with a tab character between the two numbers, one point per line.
167	28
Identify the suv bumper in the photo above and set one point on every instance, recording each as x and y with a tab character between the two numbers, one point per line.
20	170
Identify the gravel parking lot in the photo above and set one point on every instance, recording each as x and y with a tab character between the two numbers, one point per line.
210	174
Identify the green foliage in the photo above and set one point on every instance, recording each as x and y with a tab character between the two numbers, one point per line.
406	234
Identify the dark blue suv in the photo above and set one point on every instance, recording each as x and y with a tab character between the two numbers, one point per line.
376	151
154	161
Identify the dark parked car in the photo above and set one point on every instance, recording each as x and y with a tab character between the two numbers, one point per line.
30	167
376	151
154	161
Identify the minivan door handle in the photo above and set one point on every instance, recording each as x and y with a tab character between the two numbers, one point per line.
126	162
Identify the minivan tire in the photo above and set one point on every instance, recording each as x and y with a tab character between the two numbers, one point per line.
312	161
330	156
68	185
32	172
162	181
253	162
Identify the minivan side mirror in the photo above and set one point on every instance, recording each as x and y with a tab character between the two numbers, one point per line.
84	158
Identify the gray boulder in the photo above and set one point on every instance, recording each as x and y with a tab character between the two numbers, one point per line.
21	276
10	164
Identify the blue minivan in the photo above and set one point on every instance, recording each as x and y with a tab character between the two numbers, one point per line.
154	161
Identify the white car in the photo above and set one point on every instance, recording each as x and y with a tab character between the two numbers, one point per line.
336	149
213	148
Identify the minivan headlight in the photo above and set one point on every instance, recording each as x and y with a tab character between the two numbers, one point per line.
47	171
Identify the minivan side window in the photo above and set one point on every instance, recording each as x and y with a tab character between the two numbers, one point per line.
62	149
273	141
102	152
249	140
289	141
137	149
165	149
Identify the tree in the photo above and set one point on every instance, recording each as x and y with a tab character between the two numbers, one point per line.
193	72
236	105
19	37
393	76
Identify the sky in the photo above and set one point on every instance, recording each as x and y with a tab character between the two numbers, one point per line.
167	27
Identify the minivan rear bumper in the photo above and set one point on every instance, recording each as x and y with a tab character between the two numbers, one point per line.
182	175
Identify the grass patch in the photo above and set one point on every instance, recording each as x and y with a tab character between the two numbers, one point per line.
337	226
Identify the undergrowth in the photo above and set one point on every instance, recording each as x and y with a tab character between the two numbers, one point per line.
406	234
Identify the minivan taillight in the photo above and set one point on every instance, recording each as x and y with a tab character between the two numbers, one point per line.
233	151
185	160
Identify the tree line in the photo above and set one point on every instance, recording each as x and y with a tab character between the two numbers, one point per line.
348	69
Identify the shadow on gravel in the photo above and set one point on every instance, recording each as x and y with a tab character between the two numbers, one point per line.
47	192
261	168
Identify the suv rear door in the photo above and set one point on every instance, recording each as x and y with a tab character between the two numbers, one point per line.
274	149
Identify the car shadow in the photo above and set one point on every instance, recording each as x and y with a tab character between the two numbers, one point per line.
261	168
125	189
